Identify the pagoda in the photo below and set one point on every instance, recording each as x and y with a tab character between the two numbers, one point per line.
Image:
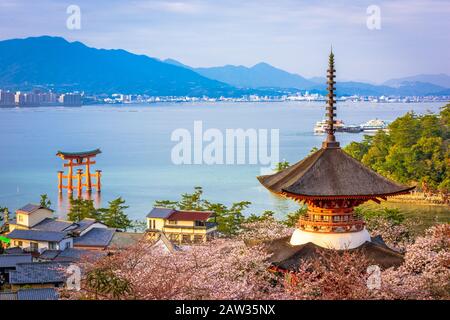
331	183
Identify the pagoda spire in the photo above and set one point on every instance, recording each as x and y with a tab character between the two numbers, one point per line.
330	141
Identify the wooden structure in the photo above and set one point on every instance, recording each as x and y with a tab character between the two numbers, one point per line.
83	179
331	183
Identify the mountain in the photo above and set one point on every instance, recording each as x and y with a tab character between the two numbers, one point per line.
261	75
441	80
53	62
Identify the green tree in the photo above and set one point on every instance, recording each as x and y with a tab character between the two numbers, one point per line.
45	201
106	282
114	216
266	215
280	166
292	218
81	209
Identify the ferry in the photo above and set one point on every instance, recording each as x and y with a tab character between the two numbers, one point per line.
321	127
374	125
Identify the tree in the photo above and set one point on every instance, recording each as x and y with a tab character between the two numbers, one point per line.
415	151
292	218
45	201
81	209
281	166
114	216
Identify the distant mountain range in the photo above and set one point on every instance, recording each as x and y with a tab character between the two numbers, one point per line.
54	63
264	76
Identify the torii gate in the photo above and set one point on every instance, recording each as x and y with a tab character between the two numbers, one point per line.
76	159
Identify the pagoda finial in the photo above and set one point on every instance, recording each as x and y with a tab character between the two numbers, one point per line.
330	141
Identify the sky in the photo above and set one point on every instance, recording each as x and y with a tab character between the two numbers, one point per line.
413	35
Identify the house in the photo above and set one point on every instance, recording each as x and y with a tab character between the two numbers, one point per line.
38	275
181	226
35	230
28	216
39	241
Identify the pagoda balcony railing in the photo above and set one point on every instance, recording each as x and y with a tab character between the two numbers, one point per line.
345	223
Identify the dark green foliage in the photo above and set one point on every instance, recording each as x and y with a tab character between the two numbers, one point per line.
114	216
45	201
106	282
415	151
281	166
292	218
81	209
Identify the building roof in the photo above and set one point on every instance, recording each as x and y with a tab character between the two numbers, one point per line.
38	273
80	154
11	260
288	257
37	294
36	235
14	250
74	254
162	213
122	240
328	173
96	237
8	296
30	208
49	254
50	224
84	224
190	215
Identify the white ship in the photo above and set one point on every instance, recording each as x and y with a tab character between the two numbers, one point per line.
321	126
374	125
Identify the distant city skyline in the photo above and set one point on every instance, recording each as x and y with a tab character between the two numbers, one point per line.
288	34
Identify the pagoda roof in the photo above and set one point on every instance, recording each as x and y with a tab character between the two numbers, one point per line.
331	173
80	154
289	258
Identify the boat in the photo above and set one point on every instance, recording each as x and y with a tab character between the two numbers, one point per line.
374	125
321	127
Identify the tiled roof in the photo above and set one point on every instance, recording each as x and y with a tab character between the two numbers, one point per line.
8	296
49	224
37	294
84	224
161	213
30	208
38	273
122	240
11	260
36	235
49	254
96	237
190	215
74	254
14	250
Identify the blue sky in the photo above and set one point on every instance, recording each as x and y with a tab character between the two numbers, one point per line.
294	35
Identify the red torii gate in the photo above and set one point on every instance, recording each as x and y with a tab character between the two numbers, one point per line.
76	159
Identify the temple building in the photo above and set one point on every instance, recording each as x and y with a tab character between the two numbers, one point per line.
331	183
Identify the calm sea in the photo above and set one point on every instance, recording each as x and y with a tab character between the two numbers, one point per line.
136	149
